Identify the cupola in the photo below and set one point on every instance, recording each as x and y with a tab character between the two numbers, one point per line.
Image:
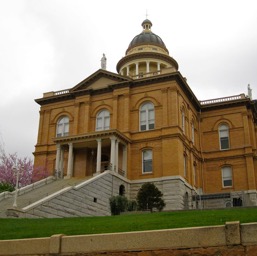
146	55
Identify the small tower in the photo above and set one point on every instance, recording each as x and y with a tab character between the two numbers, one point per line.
146	56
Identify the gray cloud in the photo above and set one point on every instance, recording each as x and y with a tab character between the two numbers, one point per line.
50	45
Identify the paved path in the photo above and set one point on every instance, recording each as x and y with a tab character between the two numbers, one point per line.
37	194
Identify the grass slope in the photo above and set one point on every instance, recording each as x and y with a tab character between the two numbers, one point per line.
33	228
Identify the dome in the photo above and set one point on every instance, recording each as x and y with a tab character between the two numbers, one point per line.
147	37
146	56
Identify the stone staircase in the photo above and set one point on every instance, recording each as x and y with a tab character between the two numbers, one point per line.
34	192
64	198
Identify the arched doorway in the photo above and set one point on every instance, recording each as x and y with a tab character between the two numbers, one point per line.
122	190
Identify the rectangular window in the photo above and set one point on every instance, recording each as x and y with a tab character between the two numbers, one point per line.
143	127
151	126
99	124
66	129
224	143
224	136
106	123
227	176
147	161
151	119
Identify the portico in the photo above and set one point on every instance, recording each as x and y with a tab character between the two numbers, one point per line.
92	153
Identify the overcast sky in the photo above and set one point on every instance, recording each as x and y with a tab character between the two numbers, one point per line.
51	45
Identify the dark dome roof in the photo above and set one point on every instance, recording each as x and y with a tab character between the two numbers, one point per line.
147	37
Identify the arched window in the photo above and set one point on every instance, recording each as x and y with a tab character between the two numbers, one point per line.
224	136
227	176
62	127
147	116
147	162
103	120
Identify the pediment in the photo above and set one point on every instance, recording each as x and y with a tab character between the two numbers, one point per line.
99	80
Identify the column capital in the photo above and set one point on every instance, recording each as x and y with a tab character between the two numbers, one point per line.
113	137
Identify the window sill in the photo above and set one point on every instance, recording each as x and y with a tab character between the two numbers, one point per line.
146	173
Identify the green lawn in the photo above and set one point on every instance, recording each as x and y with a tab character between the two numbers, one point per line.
28	228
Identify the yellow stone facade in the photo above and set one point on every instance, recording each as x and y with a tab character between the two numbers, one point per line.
146	124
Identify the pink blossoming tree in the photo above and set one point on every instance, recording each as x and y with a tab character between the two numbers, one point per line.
28	174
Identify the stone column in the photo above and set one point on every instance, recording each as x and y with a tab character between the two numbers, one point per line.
57	160
158	67
99	154
113	139
147	67
61	163
137	69
127	70
117	156
124	160
70	161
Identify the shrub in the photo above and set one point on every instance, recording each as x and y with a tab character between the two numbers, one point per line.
132	205
118	204
150	197
6	187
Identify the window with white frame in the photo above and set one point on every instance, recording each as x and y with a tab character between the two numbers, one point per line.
103	120
224	136
227	176
62	128
147	116
147	161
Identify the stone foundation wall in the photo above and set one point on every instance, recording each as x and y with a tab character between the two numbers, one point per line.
177	194
246	198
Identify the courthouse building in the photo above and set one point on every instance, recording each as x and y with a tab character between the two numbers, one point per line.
145	124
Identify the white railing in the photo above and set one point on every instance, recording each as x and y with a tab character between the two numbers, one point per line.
224	99
62	92
27	188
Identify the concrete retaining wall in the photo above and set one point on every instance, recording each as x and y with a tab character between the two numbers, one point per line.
241	239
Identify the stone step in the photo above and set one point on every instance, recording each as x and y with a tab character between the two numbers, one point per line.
38	193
